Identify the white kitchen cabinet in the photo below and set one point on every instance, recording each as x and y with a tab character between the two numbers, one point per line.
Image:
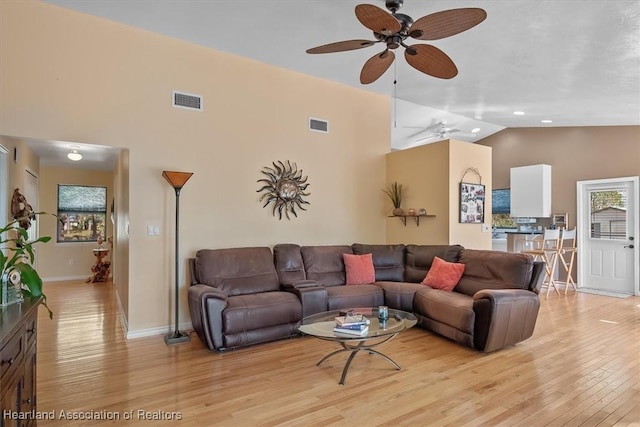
531	191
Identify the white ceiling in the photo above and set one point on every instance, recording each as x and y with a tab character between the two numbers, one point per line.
576	62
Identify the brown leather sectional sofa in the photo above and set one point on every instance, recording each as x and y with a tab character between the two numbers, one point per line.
244	296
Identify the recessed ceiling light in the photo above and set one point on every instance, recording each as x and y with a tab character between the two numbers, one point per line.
74	156
546	121
519	113
475	130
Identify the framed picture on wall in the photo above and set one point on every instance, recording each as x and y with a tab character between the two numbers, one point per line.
471	203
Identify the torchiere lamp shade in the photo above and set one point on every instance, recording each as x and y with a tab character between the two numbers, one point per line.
176	179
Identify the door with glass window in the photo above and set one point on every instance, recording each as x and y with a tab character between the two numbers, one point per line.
607	232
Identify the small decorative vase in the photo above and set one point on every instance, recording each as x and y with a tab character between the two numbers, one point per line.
412	212
11	288
422	211
398	212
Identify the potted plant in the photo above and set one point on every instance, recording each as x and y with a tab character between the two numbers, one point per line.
395	194
18	278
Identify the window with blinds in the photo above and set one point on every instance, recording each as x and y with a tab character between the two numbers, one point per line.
82	212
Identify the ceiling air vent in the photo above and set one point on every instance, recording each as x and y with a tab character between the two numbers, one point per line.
187	100
318	125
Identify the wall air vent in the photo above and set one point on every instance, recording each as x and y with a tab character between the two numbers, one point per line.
186	100
318	125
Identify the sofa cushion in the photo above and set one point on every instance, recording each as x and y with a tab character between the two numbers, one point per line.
359	269
388	260
443	275
237	271
354	296
420	258
450	308
288	262
399	295
256	311
494	270
325	263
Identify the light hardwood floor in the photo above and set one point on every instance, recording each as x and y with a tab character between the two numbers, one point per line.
581	368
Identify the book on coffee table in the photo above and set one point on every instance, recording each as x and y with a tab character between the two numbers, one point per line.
348	331
352	320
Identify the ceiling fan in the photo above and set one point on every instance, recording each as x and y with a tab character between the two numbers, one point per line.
394	28
440	131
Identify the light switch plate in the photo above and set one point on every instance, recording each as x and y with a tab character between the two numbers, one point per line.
153	230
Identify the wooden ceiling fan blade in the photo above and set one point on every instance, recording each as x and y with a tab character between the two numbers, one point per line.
430	60
341	46
376	66
446	23
376	19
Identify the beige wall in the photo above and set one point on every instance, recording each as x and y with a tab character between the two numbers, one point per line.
431	176
71	260
462	156
575	154
80	78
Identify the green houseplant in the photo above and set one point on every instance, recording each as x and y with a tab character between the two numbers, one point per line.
395	194
16	261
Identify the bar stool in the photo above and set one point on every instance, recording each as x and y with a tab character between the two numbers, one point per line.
568	250
546	249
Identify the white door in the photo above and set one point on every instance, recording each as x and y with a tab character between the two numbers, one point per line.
607	235
31	194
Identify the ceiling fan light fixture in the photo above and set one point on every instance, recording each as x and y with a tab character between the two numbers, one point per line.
74	156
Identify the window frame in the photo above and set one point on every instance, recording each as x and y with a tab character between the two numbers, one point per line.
103	213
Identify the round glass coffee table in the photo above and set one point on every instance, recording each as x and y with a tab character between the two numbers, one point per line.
321	326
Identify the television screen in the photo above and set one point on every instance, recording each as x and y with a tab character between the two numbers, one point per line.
501	201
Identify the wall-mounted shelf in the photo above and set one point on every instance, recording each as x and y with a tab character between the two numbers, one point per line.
416	218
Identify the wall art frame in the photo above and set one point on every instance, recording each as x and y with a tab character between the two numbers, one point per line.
472	197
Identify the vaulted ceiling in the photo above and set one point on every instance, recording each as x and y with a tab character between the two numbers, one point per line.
574	62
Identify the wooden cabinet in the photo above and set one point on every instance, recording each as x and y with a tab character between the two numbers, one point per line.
18	326
531	191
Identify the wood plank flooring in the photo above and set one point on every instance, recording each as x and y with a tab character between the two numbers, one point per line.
581	368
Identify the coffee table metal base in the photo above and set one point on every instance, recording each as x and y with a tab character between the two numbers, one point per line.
354	349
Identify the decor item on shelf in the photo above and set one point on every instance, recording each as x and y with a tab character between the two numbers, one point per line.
19	278
177	181
285	187
422	212
411	212
392	29
395	194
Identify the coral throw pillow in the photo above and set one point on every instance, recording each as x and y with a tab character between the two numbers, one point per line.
443	275
359	269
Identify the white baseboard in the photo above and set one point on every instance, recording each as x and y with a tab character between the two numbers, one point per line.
161	330
123	318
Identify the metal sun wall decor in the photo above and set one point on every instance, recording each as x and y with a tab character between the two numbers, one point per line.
285	188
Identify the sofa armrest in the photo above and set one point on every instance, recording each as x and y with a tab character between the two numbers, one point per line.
299	284
312	295
503	317
205	307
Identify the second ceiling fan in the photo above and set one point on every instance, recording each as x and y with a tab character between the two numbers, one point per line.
394	28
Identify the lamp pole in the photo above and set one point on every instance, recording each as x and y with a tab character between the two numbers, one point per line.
177	181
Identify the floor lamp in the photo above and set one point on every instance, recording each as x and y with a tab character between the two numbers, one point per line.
177	181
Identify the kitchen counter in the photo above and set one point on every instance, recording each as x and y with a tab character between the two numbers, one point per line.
517	240
524	232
